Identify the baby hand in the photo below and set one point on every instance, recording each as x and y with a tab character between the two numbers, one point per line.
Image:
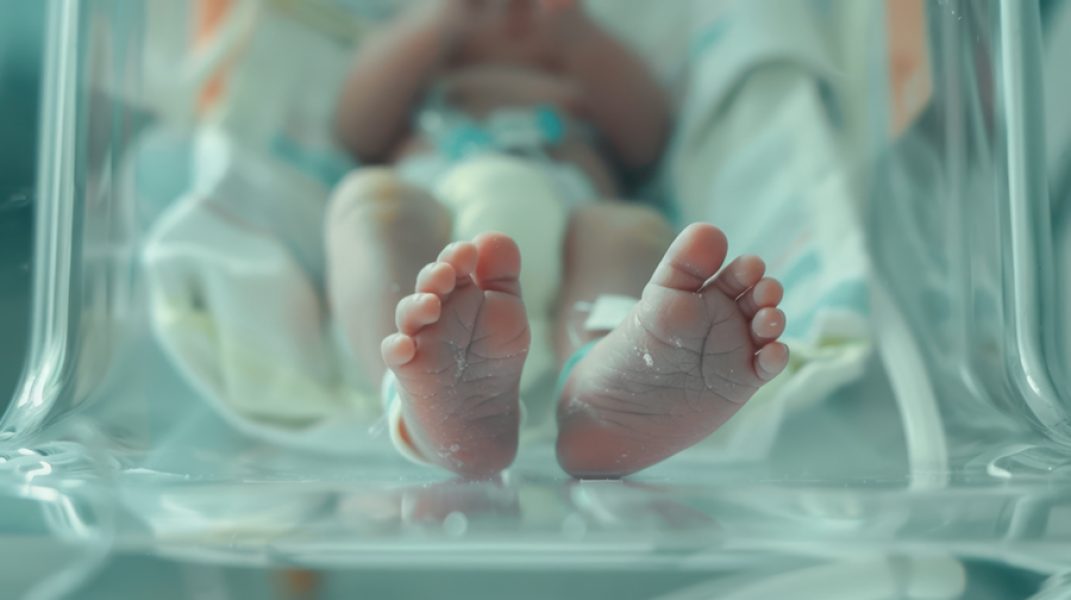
452	20
555	23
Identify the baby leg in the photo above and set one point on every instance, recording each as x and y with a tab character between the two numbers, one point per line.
610	248
699	343
379	233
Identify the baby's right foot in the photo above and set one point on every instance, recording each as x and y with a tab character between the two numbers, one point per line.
461	344
696	347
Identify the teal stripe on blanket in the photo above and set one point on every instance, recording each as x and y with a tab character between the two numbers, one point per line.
805	267
326	166
850	295
709	37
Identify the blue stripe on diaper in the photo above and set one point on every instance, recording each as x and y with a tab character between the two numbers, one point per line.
849	295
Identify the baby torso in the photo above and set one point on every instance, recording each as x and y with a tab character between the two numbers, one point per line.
492	74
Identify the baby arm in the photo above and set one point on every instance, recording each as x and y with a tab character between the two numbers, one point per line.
390	76
620	95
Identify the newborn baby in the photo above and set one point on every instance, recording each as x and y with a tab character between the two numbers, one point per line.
539	83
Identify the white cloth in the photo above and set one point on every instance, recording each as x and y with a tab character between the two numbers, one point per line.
234	272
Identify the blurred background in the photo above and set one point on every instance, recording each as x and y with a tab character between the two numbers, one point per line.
119	552
21	53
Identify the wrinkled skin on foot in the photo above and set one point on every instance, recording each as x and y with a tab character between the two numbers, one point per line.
697	346
461	344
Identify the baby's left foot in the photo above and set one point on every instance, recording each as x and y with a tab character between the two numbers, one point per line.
461	344
694	349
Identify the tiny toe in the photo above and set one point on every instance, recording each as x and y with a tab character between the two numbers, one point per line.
768	324
417	311
461	256
741	275
436	278
771	360
499	263
693	258
397	349
766	293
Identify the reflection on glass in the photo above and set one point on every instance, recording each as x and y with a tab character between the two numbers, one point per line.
236	196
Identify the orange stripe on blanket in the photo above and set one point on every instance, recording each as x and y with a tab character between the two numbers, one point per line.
209	17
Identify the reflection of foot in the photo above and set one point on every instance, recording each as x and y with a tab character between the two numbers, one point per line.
462	341
466	503
691	353
638	506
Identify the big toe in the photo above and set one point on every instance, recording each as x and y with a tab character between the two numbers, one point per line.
693	258
499	263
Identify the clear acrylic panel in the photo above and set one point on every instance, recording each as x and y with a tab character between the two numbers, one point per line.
945	435
962	219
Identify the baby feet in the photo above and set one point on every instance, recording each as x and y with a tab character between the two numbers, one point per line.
699	343
461	344
695	348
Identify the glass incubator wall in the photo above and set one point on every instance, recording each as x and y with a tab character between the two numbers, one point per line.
917	152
